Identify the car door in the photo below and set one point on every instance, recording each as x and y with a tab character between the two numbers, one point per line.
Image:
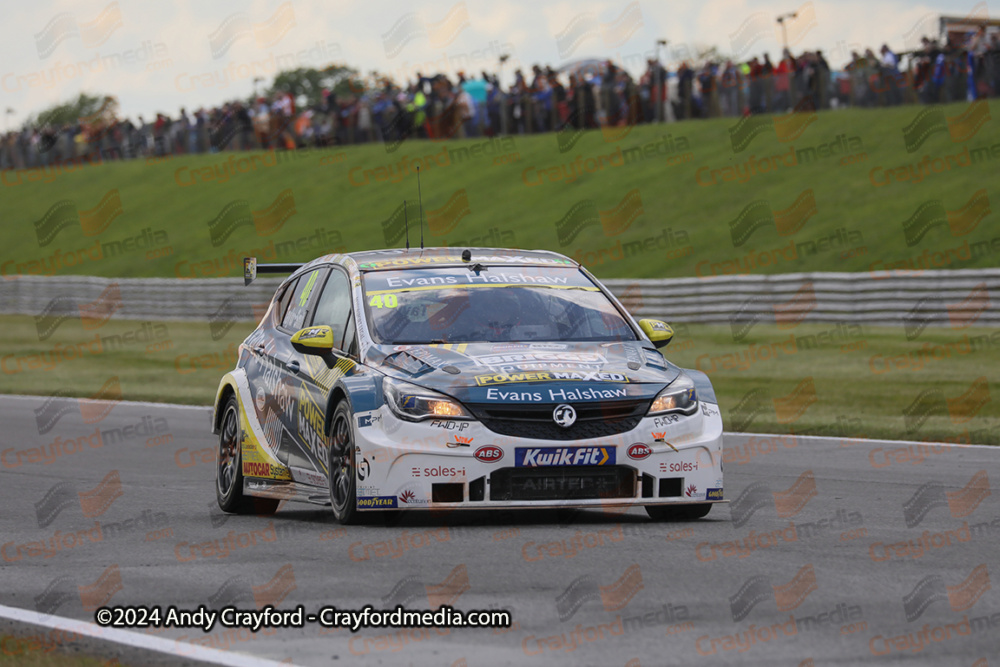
290	365
333	309
266	371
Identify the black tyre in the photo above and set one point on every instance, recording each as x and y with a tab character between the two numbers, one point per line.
229	469
343	479
678	512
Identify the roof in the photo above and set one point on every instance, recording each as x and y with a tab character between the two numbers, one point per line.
378	260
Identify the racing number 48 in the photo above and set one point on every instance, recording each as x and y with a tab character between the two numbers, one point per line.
378	301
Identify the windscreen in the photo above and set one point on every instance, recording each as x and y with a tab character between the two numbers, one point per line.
496	304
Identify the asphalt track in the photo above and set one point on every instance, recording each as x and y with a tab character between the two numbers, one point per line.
862	551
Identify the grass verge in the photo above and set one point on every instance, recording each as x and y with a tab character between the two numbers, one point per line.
815	379
29	652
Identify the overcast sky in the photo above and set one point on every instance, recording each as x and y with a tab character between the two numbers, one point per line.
162	56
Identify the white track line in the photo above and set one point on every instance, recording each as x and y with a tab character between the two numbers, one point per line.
180	406
172	406
138	640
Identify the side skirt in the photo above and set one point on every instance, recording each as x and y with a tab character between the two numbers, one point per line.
282	490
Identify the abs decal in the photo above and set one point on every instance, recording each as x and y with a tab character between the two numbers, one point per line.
488	454
639	451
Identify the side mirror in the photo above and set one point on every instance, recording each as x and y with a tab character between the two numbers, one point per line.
659	333
313	340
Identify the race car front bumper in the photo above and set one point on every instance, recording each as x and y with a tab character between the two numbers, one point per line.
669	459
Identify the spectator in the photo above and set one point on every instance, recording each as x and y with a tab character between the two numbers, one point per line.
587	96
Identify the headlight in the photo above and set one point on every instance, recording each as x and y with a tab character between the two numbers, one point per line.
415	403
679	397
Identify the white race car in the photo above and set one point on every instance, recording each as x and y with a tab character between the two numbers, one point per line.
490	378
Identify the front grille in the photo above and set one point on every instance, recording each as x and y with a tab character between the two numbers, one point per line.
593	420
562	483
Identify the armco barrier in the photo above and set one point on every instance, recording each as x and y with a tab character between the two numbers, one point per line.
886	298
930	297
139	298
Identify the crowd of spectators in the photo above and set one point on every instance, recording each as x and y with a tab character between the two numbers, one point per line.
589	94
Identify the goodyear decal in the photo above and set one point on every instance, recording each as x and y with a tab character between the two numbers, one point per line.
536	457
561	376
371	502
713	494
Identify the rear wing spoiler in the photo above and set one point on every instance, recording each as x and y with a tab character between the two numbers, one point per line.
251	269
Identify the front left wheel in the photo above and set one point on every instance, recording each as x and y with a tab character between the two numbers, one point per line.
229	469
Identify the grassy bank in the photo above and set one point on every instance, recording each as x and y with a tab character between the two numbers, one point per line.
822	211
